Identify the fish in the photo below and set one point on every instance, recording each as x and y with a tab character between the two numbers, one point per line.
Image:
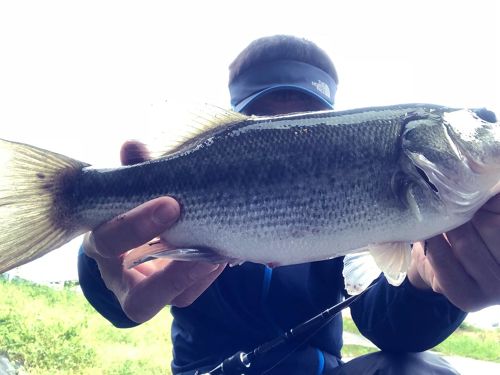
276	190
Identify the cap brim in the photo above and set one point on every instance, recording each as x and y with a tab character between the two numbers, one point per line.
244	103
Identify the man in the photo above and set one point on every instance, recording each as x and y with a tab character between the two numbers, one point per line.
219	310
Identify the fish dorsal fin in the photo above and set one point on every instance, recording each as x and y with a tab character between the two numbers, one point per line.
201	124
360	269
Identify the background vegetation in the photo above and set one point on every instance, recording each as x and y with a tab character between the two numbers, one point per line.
47	331
53	332
466	341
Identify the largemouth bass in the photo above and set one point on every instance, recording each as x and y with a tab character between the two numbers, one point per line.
276	190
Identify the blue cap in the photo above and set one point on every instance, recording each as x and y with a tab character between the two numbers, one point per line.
282	75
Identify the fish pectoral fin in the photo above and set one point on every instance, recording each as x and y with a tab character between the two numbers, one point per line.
157	249
359	271
393	259
412	203
361	268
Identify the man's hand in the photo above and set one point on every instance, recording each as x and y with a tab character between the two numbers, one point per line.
463	264
144	290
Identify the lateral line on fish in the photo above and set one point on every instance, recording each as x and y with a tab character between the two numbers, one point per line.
243	197
328	118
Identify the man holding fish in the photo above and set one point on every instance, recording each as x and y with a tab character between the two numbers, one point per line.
219	310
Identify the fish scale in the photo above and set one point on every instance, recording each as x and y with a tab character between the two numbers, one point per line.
280	171
277	190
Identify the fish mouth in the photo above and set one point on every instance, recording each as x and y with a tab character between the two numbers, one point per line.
485	115
476	144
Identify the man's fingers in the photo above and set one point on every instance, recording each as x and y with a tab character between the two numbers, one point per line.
487	225
450	276
473	254
163	287
134	152
135	227
493	204
420	272
189	295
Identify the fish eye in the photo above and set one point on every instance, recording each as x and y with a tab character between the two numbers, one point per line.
485	115
426	179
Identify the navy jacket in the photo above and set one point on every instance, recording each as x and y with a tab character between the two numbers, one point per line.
251	304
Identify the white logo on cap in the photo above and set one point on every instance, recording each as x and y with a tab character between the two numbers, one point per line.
322	87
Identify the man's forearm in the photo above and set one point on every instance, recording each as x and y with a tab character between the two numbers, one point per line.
404	318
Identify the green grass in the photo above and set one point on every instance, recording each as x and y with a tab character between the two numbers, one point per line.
57	332
351	351
349	325
466	341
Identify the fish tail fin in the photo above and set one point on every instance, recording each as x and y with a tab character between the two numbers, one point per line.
35	216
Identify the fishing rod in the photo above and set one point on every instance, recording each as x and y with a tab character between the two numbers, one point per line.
240	362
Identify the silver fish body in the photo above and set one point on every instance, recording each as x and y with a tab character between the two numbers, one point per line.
277	190
312	186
